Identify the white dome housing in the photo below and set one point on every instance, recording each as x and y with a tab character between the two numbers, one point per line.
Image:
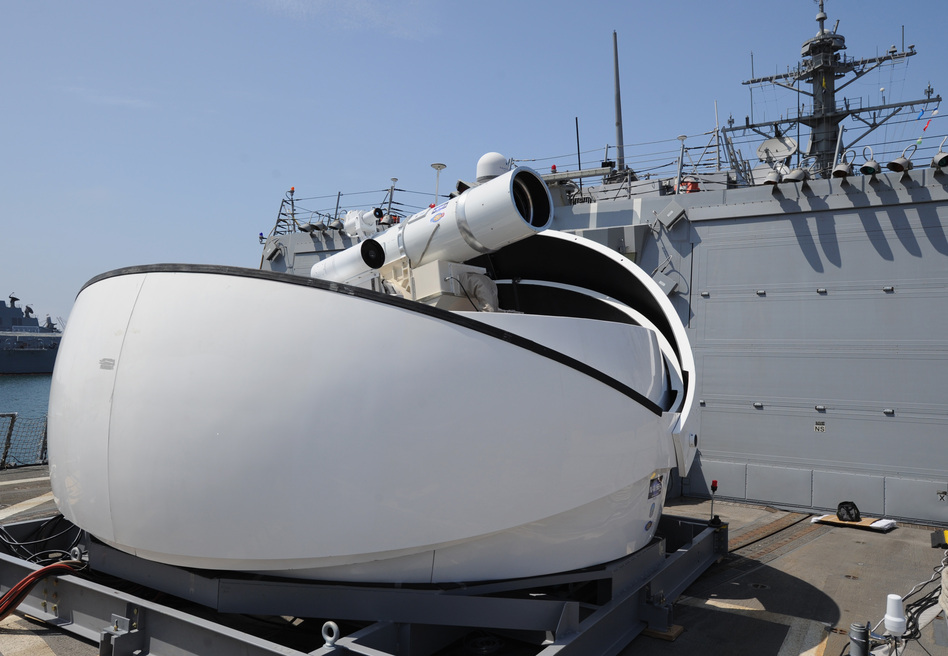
490	166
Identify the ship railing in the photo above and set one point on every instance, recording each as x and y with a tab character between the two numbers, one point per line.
726	159
305	214
720	158
654	167
24	440
24	329
888	130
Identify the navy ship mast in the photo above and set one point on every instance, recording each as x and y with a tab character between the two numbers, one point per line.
821	68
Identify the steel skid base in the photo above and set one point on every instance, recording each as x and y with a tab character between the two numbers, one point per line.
593	611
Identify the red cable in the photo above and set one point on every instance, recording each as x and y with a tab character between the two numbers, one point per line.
15	595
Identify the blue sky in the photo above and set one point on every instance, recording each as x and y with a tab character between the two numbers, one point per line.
168	131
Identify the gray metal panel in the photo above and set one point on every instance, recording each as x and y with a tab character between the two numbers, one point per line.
622	239
739	432
780	485
914	497
585	216
851	435
865	382
731	478
867	492
920	185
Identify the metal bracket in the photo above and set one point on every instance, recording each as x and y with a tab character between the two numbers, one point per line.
672	214
583	612
123	636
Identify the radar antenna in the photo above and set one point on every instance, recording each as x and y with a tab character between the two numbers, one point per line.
822	67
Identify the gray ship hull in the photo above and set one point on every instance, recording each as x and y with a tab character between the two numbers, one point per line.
815	312
27	361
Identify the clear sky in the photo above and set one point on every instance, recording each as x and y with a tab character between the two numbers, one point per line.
147	131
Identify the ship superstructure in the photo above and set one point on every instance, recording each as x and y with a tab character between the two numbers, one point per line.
812	281
26	347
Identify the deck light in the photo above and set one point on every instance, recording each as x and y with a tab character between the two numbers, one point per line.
941	157
796	175
845	168
871	167
902	163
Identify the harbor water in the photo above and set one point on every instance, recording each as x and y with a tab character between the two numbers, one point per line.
25	394
24	399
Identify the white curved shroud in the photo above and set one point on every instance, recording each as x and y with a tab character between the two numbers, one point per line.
228	419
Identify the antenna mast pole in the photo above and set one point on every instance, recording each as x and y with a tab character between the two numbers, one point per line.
620	146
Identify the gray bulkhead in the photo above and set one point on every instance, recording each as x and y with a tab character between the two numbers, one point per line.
817	315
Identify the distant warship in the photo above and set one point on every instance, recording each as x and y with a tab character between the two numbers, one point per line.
26	347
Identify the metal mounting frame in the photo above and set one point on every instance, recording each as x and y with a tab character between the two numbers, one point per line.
593	611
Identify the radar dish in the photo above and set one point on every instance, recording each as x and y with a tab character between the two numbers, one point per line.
776	149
